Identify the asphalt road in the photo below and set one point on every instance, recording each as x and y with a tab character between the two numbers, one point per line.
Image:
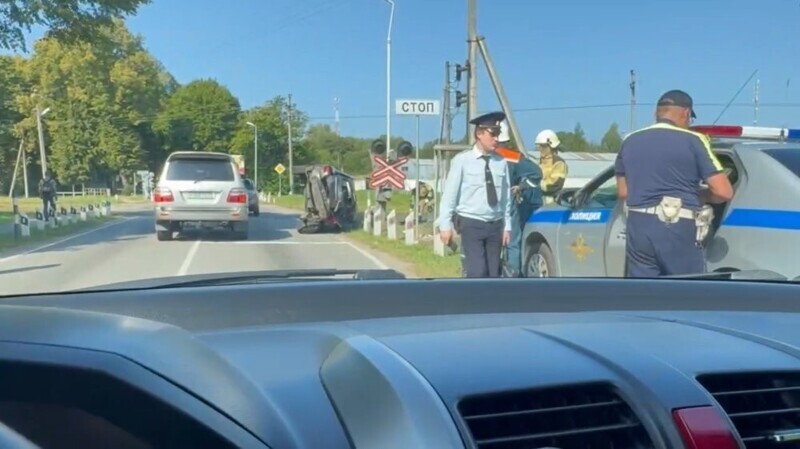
127	250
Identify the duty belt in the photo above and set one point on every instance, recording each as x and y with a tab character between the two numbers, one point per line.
684	213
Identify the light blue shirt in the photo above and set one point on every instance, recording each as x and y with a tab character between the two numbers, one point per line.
465	190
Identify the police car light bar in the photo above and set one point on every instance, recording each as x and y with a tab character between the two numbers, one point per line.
747	132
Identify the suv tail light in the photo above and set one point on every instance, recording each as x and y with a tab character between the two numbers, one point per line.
237	195
704	428
162	195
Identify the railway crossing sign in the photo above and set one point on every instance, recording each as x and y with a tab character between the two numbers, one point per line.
388	173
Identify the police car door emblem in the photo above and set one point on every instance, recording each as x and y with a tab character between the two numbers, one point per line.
580	248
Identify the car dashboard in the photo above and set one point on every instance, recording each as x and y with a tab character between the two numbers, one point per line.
512	363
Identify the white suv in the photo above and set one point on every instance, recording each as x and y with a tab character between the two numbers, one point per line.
201	189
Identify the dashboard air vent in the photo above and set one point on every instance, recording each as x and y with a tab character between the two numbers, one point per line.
764	407
577	417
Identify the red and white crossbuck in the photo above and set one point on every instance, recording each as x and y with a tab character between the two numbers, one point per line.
388	173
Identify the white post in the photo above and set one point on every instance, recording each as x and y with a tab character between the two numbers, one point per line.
410	231
391	225
377	222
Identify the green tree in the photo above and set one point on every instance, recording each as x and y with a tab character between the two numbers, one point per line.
202	115
271	118
103	97
67	20
612	141
573	141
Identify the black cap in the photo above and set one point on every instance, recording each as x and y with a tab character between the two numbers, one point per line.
677	98
490	120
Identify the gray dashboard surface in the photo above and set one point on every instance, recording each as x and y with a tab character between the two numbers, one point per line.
386	363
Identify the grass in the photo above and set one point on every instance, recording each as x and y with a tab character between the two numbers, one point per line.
421	257
7	240
31	205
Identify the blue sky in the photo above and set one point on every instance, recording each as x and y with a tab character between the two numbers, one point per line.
548	54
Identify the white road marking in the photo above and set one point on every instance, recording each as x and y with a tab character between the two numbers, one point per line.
66	239
189	256
369	256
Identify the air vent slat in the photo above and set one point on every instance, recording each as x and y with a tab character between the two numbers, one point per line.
756	391
558	434
763	413
586	416
760	405
544	410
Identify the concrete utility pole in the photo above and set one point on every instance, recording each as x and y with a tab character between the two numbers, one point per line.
472	83
447	123
291	164
389	81
39	115
501	95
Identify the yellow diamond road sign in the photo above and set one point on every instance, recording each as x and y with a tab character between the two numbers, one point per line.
280	169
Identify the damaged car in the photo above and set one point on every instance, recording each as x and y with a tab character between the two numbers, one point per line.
330	200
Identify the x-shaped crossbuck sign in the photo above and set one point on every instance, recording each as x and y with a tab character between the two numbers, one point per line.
388	173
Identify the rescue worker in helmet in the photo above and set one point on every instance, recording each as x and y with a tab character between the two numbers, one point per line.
525	178
554	168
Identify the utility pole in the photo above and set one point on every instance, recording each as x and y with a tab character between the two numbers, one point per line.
755	104
291	165
447	122
501	95
336	115
39	115
632	124
472	83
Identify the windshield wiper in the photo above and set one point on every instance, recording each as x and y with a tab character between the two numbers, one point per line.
247	277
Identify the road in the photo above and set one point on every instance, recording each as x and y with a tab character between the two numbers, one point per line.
127	250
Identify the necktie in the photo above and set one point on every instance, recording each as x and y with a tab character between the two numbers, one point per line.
491	192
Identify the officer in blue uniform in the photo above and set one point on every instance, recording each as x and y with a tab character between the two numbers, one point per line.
477	200
659	172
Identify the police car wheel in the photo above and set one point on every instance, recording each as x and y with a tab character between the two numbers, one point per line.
540	262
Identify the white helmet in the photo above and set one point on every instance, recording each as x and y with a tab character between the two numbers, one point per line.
548	137
504	136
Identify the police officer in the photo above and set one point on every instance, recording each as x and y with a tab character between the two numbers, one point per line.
526	196
554	168
659	170
476	200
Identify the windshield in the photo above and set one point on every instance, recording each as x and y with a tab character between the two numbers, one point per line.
154	140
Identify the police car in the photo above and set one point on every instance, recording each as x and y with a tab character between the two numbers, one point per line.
584	233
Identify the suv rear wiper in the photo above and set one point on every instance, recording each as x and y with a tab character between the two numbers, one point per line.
247	277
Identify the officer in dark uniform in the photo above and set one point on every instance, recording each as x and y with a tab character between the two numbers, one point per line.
659	171
477	200
526	196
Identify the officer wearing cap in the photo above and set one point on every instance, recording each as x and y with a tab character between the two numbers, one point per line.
526	196
659	171
476	201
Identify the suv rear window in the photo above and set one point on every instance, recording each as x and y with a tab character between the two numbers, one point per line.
788	157
200	170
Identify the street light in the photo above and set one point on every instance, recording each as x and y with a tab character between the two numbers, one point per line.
39	115
255	151
389	79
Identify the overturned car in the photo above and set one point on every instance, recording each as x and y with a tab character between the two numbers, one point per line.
330	200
